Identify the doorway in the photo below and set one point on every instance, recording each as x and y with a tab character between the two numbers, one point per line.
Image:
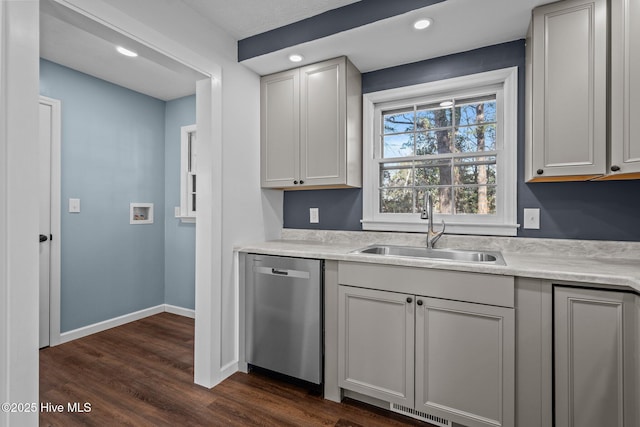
110	24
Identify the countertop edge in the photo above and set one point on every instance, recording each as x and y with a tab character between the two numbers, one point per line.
518	265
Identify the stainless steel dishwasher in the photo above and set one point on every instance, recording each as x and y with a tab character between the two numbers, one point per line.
284	315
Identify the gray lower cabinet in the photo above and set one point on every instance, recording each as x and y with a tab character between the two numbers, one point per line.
465	362
376	334
443	359
596	358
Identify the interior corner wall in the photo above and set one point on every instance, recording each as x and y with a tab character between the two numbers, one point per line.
112	155
179	237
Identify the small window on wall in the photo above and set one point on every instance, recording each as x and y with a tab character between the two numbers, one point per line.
188	187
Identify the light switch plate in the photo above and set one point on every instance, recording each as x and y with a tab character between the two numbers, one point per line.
74	205
314	215
532	219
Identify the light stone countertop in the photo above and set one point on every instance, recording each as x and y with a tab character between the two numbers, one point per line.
617	264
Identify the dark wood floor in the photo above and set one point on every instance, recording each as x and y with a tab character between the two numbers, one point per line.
141	374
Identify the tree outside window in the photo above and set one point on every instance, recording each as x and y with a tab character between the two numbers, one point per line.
447	149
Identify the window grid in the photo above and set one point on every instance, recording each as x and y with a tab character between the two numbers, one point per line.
451	188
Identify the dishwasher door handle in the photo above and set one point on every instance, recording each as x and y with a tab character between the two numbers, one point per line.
273	271
279	272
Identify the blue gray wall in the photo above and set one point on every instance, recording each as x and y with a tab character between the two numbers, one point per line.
112	155
118	147
579	210
179	237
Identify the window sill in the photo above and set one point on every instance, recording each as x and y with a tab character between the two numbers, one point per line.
187	219
452	228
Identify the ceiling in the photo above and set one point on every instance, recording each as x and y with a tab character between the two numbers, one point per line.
245	18
459	25
72	40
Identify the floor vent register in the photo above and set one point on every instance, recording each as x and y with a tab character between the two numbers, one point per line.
422	416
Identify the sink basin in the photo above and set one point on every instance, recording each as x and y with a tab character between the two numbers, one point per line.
459	255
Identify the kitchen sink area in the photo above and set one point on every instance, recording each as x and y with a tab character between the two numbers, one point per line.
410	311
458	255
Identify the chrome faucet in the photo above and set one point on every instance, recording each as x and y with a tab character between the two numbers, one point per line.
427	213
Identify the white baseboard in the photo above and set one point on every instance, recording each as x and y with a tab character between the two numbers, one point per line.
229	369
111	323
186	312
121	320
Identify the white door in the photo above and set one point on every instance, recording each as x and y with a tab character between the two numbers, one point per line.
44	169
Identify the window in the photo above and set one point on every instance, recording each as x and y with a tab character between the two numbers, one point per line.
455	139
188	173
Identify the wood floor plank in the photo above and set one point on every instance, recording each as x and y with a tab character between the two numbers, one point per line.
141	374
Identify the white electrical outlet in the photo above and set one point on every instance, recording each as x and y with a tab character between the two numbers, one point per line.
532	219
314	215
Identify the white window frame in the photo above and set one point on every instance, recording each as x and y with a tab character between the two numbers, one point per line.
504	83
187	213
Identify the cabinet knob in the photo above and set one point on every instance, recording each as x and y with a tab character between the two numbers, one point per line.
539	171
419	302
295	182
409	300
301	182
615	168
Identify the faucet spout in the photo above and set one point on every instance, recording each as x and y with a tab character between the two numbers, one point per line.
427	213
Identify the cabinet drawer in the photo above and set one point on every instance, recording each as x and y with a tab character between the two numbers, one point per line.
479	288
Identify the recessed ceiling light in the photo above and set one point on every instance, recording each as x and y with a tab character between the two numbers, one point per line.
126	52
446	103
421	24
296	58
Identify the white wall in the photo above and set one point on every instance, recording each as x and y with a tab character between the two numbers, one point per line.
18	208
249	214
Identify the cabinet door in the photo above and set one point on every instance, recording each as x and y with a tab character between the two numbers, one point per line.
465	362
323	123
569	71
280	129
625	89
596	370
376	347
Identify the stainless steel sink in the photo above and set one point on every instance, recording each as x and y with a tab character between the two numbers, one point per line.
459	255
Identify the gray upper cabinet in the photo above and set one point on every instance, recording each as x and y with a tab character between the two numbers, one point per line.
311	127
280	128
596	364
567	88
625	90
